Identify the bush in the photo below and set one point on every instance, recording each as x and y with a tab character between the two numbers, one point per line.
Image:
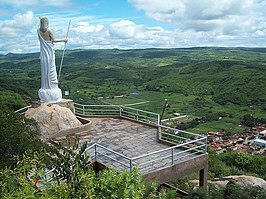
83	182
16	138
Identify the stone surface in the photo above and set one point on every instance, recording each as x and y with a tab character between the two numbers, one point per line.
131	139
68	103
50	119
241	180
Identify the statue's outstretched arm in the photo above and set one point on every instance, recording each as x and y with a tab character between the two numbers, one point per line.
55	39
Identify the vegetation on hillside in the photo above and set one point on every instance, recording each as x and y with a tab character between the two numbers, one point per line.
16	137
199	82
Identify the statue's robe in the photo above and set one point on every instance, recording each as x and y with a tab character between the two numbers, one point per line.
49	91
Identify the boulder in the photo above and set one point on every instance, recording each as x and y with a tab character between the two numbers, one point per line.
50	119
241	180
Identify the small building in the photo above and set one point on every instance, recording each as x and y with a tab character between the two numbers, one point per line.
262	134
66	92
260	142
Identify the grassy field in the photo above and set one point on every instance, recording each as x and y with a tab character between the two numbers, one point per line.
198	82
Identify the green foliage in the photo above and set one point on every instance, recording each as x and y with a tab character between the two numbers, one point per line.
234	191
189	124
232	163
72	164
111	184
250	121
217	167
10	101
231	191
16	138
199	193
19	182
83	182
249	163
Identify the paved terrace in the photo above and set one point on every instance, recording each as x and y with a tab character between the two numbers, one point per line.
126	139
131	139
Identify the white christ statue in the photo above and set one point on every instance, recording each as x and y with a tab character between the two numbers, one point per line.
49	91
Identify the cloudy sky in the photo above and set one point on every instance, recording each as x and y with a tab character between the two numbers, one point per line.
127	24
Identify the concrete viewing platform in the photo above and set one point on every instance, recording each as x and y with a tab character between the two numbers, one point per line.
123	137
138	145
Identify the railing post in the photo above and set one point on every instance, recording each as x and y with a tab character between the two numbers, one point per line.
95	152
120	111
137	115
158	128
206	144
83	109
131	165
159	133
45	177
172	150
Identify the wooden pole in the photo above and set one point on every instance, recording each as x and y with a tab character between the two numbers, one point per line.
62	59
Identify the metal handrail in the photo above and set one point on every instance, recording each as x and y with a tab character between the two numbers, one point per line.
169	148
181	131
114	159
19	111
110	150
94	147
122	111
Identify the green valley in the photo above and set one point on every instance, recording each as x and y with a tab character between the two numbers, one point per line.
218	84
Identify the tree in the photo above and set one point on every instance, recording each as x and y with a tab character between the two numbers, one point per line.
16	137
234	191
248	120
10	100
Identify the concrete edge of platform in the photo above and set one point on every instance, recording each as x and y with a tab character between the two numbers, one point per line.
167	174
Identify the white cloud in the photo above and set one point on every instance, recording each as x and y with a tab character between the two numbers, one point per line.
198	23
57	3
260	32
210	22
19	3
85	27
19	25
15	34
127	34
24	3
123	29
226	16
162	10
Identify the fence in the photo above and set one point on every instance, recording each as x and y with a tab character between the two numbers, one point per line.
117	110
189	149
23	110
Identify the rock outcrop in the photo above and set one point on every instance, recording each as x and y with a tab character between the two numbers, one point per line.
50	119
241	180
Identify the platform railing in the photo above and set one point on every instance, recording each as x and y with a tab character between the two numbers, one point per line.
117	110
23	110
176	136
170	156
110	157
150	161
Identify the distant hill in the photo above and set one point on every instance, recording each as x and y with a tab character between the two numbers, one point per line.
229	75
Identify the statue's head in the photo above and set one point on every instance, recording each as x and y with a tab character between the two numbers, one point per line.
43	24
